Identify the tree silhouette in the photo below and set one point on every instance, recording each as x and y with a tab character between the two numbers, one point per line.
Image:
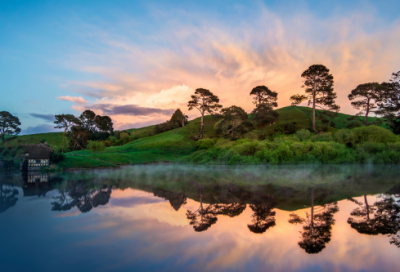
66	121
263	95
234	117
8	197
388	213
206	102
88	120
263	217
317	230
265	114
178	119
318	84
9	124
230	209
368	95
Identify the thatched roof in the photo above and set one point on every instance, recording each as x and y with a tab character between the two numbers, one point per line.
38	151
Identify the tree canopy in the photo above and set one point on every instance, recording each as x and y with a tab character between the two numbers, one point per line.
263	95
9	125
205	102
265	114
365	98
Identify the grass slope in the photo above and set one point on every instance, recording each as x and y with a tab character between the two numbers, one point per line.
167	146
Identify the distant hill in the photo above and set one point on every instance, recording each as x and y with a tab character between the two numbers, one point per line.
167	146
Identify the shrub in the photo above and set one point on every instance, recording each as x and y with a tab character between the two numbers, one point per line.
123	135
325	137
106	143
354	124
205	143
303	134
374	134
289	128
57	157
95	146
249	148
345	136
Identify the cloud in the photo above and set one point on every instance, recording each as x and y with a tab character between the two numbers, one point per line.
75	99
132	110
230	59
46	117
39	129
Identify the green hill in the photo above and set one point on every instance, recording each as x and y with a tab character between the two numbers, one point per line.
167	146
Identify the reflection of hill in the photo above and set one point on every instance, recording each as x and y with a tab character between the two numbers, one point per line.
175	199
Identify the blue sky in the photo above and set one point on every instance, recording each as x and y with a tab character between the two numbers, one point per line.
129	59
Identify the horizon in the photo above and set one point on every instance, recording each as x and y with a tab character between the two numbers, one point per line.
138	62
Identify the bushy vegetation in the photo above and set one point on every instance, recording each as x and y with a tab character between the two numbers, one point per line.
354	124
371	144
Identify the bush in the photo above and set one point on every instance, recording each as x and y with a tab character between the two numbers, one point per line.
325	137
289	128
123	135
249	148
374	134
106	143
354	124
205	143
345	136
303	134
95	146
57	157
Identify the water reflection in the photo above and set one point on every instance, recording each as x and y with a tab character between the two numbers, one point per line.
175	199
8	196
317	229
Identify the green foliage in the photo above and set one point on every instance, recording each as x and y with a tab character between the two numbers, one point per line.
374	134
57	157
354	124
205	143
289	128
303	134
96	146
324	137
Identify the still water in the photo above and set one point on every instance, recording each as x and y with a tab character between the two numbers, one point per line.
171	218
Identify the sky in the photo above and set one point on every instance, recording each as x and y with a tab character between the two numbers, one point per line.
138	61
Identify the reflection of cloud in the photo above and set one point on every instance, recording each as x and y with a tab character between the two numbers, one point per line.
39	129
133	201
46	117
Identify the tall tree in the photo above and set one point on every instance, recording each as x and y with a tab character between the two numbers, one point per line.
179	119
297	99
205	102
234	115
263	217
389	107
263	95
318	84
8	124
66	121
368	95
104	124
88	120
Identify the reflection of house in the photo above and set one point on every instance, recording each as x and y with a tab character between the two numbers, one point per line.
35	157
37	177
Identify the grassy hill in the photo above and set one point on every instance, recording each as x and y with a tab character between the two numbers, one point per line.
167	146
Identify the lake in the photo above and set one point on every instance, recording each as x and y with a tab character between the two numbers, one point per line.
199	218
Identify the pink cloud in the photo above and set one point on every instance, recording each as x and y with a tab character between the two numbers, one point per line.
75	99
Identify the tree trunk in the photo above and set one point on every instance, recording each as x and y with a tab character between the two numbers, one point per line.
313	111
312	210
366	205
366	113
201	126
183	122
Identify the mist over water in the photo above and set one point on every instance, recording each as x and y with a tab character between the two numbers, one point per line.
216	218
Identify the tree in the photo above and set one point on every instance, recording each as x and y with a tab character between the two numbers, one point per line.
263	95
78	137
8	124
178	119
88	120
318	226
389	107
369	94
265	114
318	84
297	99
65	121
202	218
235	116
96	146
104	124
206	102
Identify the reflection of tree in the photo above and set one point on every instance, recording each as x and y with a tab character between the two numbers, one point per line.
388	214
318	226
364	222
204	217
77	195
263	217
8	197
175	199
